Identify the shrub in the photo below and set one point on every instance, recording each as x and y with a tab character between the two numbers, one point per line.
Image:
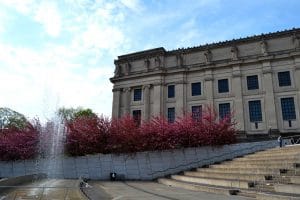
86	135
89	134
158	134
16	143
124	136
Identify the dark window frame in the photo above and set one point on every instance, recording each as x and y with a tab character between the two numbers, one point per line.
223	85
171	91
137	116
222	112
252	82
284	78
288	109
137	94
255	111
171	115
196	89
196	112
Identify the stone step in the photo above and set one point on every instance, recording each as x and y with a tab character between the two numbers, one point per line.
279	150
261	162
241	170
290	155
236	176
215	181
294	179
295	159
266	187
287	188
251	166
247	193
276	196
198	187
274	154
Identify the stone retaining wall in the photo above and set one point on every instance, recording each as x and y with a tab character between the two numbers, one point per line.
139	166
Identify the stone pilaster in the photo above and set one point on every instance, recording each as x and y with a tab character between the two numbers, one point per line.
116	103
157	96
179	93
127	100
209	87
238	97
146	92
296	78
271	116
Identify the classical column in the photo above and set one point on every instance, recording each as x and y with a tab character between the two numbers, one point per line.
157	99
209	87
127	100
238	97
296	77
146	92
271	116
179	95
116	103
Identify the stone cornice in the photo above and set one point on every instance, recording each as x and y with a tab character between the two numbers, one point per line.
141	55
214	65
228	43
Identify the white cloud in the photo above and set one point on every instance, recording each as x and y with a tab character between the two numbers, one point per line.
47	14
44	12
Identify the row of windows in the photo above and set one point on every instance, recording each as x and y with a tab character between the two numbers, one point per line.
284	79
255	111
287	110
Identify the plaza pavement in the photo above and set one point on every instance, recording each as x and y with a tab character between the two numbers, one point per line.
138	190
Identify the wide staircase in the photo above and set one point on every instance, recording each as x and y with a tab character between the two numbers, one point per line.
269	174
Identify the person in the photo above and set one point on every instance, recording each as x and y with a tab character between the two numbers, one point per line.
279	140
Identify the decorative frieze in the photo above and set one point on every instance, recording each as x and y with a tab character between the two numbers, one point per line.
179	59
264	47
208	56
127	68
234	53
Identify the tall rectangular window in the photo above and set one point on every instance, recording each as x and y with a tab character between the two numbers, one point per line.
288	108
171	115
252	82
197	112
137	94
255	111
136	114
171	91
284	78
223	85
196	89
224	110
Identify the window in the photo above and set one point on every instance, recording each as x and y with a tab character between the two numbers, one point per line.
171	91
223	85
284	78
136	114
224	110
252	82
171	115
197	112
255	111
196	89
137	94
288	108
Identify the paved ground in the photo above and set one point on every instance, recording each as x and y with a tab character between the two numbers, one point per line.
58	189
153	191
50	189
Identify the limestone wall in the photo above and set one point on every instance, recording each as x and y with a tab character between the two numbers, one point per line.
140	166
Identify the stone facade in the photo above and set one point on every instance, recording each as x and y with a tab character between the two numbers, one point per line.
270	62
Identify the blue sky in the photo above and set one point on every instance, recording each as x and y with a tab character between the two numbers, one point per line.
57	53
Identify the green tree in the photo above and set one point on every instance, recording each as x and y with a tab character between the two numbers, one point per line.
69	114
12	119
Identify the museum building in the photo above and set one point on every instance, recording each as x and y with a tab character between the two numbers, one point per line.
257	78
